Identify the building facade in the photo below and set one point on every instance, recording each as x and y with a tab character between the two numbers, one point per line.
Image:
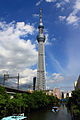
41	56
77	84
57	93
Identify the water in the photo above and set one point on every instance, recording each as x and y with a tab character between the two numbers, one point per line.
63	114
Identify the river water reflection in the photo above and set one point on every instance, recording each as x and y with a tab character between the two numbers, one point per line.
63	114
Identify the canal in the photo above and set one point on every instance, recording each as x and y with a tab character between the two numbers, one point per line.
63	114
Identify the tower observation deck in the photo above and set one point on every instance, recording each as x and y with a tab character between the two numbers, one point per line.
41	56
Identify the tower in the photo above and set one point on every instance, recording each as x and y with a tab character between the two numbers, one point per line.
41	56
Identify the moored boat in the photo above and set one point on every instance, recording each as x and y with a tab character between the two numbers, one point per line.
55	109
15	117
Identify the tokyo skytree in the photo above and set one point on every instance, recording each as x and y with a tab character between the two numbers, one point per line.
41	84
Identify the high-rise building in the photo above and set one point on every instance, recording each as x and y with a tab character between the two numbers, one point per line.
77	83
34	83
41	56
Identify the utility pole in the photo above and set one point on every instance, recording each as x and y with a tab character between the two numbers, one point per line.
6	77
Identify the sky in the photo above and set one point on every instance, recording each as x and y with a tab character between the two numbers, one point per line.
19	20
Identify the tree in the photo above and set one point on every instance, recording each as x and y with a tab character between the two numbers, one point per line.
74	103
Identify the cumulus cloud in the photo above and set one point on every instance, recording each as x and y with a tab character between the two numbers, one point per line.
77	5
27	76
73	18
59	80
16	54
55	78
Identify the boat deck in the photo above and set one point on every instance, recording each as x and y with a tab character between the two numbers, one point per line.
14	118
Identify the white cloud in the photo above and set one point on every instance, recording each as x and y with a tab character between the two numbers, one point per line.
47	39
27	76
56	77
73	18
38	3
62	18
77	5
35	15
53	39
50	0
61	2
16	54
67	1
58	5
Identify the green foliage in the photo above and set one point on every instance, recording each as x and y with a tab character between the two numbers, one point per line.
2	90
24	102
39	98
74	103
53	101
4	97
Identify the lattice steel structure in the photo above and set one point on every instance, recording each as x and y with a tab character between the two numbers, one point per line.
41	56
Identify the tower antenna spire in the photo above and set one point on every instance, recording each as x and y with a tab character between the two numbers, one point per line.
41	17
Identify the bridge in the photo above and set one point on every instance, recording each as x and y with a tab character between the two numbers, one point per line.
15	90
11	88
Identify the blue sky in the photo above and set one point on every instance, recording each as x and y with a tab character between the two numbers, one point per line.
18	46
